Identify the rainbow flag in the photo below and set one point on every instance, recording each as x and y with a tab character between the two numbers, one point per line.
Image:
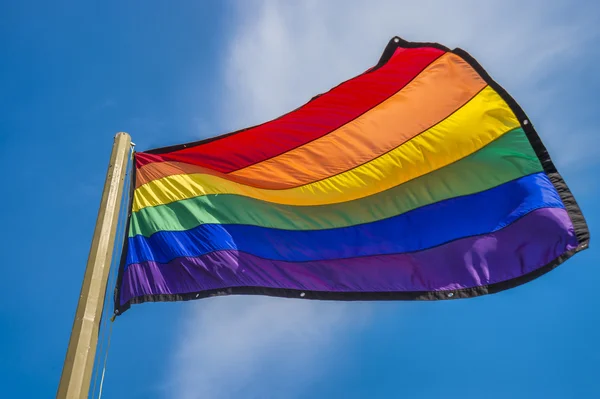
421	178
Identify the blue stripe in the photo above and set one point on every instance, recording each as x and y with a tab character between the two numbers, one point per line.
415	230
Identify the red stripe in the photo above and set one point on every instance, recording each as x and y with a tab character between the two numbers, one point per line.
315	119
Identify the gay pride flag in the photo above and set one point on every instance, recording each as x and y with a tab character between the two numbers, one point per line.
418	179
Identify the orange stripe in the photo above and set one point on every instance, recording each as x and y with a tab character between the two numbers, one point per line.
437	92
158	170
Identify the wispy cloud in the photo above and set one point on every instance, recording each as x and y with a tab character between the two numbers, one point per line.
229	344
280	55
283	54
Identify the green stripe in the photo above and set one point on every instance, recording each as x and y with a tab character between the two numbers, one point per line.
507	158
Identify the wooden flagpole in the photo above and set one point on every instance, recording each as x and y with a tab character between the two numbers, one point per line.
79	361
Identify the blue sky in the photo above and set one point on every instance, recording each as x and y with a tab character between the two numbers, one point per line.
74	73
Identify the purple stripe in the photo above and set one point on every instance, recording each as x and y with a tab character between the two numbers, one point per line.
526	245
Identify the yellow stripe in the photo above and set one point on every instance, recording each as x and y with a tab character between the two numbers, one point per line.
482	120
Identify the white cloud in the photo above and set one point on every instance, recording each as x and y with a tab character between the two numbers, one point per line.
281	53
228	342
